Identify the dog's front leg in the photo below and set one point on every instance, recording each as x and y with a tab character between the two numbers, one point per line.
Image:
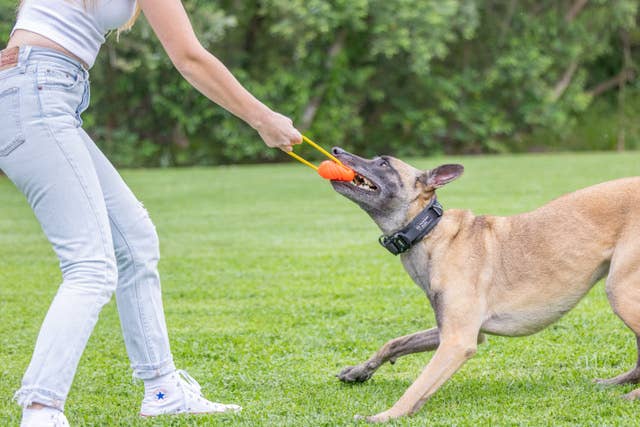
448	358
459	313
415	343
392	350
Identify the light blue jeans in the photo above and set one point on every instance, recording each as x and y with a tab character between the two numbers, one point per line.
100	232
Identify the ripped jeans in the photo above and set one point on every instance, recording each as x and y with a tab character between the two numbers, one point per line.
101	233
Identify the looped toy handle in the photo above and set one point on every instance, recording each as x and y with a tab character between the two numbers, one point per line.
317	147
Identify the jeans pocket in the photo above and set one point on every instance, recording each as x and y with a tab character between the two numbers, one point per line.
58	78
11	136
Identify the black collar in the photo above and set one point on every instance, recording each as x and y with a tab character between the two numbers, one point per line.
402	240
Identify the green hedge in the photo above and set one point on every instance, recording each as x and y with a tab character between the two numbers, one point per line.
408	77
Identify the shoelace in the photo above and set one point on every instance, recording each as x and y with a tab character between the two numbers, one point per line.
189	382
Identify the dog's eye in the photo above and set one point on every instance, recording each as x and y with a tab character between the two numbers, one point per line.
384	163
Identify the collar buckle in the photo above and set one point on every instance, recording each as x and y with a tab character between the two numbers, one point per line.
402	240
396	243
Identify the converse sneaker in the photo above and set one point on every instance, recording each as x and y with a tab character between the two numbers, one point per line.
178	393
43	417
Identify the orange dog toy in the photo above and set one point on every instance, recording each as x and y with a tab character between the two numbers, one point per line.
333	170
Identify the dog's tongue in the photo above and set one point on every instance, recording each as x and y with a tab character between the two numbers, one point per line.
335	172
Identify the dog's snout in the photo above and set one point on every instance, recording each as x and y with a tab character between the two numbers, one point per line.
337	150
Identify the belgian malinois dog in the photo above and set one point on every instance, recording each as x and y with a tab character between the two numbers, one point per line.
509	276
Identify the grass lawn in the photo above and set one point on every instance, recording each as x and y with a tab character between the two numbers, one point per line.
272	283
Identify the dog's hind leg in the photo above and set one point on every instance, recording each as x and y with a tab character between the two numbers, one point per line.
408	344
623	291
632	376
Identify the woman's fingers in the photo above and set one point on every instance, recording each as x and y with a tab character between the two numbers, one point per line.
278	132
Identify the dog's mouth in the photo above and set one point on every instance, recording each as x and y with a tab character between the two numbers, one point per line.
363	183
359	183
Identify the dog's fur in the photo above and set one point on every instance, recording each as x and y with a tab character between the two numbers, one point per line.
508	276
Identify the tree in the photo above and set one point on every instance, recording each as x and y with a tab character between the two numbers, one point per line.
408	77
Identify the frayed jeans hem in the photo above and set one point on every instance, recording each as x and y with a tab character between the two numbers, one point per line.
28	396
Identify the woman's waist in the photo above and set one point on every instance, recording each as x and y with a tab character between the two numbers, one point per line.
19	60
24	38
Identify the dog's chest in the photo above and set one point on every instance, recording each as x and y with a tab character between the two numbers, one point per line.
417	266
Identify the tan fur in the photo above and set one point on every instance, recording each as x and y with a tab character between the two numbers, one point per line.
509	276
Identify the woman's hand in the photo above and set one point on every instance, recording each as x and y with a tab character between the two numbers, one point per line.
277	131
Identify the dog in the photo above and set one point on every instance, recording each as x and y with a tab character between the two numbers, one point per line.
508	276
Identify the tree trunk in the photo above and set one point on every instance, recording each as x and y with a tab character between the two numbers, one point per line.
575	10
314	103
564	82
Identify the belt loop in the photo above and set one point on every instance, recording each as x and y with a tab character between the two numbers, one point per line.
25	51
23	56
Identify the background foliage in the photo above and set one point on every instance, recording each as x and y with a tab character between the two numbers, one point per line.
407	77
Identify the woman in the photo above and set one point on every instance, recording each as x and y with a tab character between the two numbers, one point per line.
100	232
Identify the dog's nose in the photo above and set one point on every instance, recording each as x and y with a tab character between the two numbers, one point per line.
337	150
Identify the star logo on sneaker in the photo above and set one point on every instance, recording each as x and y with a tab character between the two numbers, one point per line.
160	395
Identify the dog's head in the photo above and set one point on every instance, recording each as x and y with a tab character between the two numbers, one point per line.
390	190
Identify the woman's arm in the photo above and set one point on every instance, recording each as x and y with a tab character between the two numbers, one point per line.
206	73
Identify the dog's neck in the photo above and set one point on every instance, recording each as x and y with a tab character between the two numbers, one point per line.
393	219
416	228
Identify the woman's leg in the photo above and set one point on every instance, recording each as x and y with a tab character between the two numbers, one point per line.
138	293
54	170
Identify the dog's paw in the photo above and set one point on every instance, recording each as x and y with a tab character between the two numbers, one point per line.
353	374
634	395
382	417
630	377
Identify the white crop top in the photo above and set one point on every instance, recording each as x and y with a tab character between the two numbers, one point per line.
77	28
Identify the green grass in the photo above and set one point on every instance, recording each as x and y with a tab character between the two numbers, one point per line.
273	283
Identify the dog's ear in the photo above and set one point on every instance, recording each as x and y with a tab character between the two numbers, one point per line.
436	178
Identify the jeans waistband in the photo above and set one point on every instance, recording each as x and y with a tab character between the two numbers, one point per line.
34	53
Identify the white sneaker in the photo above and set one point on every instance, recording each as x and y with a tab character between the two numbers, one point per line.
45	417
179	394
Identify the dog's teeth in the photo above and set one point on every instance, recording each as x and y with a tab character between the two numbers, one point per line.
363	183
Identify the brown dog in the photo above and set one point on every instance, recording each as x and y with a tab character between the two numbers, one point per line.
508	276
